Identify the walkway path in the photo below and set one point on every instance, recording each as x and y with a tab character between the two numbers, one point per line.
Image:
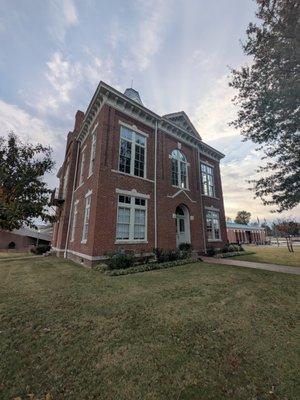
249	264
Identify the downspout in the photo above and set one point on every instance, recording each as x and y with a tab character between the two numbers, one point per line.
72	201
201	202
155	186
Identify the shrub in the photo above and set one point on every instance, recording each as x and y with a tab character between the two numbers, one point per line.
211	251
11	245
166	255
185	250
120	261
185	247
225	249
41	249
149	267
144	257
100	267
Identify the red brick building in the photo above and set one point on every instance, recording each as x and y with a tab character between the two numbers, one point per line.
239	233
23	239
134	180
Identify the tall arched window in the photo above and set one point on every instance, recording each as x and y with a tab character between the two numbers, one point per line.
179	169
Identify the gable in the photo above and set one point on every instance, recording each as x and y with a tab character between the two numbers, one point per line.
182	120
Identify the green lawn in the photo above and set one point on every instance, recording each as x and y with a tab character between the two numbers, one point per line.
190	332
10	254
273	255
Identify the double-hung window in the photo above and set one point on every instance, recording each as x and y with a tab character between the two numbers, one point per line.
207	173
132	158
65	181
74	220
213	225
81	168
86	217
179	169
93	154
131	219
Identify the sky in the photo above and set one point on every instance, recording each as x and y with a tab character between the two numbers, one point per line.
178	53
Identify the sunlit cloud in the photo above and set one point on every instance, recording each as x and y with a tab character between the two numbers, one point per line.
147	37
63	15
27	127
215	111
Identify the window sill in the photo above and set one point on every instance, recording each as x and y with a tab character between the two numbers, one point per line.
78	187
211	197
181	188
131	175
130	241
214	240
83	242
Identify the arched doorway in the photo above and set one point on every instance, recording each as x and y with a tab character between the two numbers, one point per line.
183	234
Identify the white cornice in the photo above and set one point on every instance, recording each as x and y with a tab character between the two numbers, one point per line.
105	94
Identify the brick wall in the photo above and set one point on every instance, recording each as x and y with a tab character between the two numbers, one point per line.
106	179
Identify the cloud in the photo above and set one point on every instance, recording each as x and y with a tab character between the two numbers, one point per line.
237	168
96	69
215	111
69	11
70	84
26	126
146	40
63	15
63	76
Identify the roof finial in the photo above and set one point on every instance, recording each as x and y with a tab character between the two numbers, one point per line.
131	83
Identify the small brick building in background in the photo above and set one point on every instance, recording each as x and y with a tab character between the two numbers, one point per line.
134	180
23	239
239	233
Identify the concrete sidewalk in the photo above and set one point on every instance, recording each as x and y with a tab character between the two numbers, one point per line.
249	264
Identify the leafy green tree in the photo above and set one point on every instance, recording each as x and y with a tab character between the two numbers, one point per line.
24	195
269	102
242	217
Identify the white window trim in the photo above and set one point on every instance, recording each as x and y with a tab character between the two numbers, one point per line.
132	192
75	208
65	180
179	171
133	144
82	162
93	149
132	207
89	193
213	178
216	211
133	128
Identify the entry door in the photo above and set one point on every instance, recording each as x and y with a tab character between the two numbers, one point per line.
181	229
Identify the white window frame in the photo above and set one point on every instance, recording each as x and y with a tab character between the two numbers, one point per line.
133	145
93	152
207	184
177	159
86	217
213	213
132	207
65	181
74	220
82	167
